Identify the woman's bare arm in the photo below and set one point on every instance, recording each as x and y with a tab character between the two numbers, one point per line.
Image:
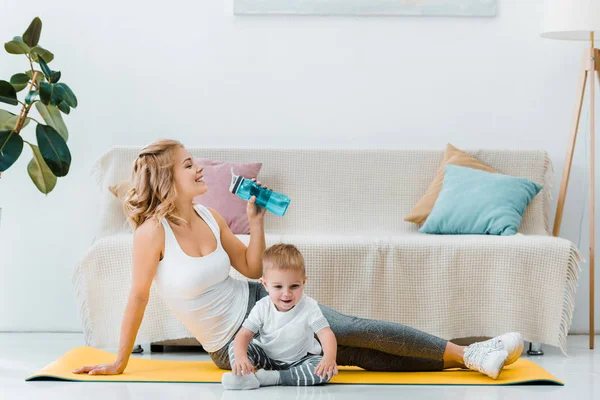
148	241
246	260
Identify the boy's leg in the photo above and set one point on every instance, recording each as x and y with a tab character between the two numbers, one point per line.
257	356
258	359
302	373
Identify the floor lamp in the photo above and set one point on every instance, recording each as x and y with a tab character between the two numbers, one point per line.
578	20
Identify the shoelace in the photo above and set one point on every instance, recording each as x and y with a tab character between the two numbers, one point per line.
495	343
474	355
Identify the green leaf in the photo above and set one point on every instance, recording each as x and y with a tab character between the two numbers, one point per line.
58	95
45	69
11	146
30	98
39	77
11	123
69	95
5	116
19	81
45	92
64	107
16	46
32	35
8	94
46	54
53	117
40	174
8	120
54	150
55	76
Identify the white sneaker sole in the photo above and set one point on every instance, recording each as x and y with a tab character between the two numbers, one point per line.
499	367
517	351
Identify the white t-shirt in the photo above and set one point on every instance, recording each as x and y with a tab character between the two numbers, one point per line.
287	336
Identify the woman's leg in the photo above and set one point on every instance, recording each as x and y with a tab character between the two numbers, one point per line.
374	360
391	338
453	355
484	359
258	292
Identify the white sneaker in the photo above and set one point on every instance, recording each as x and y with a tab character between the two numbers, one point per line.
487	360
511	342
235	382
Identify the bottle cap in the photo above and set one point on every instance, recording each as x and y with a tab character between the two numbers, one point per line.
235	182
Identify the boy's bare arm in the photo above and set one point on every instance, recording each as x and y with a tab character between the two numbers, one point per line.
240	349
328	366
328	342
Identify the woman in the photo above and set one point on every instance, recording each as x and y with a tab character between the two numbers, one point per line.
187	249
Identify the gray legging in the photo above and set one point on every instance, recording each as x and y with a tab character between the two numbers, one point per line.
370	344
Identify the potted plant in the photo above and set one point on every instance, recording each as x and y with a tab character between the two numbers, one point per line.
51	98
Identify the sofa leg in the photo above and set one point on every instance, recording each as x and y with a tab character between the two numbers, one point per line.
157	348
535	349
137	349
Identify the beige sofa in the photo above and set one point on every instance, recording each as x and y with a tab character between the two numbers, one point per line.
346	216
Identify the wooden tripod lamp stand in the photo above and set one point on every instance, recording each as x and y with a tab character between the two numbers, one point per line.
578	20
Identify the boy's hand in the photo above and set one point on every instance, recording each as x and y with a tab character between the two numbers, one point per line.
327	368
242	366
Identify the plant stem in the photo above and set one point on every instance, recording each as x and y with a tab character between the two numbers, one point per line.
21	102
35	120
32	73
25	109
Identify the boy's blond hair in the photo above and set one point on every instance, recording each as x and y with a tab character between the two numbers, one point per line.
283	257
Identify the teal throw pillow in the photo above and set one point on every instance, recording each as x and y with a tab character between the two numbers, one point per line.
478	202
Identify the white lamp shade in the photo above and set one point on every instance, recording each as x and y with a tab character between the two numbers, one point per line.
571	19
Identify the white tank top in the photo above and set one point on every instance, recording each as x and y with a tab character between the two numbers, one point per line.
199	290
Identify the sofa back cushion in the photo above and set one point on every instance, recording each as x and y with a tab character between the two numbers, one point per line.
342	191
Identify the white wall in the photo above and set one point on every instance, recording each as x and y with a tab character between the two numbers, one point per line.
192	71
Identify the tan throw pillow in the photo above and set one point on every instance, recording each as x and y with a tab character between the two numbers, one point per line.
120	189
454	156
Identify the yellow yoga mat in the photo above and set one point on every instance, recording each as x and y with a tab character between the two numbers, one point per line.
144	370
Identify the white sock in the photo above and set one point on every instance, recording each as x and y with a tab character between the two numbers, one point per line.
244	382
267	378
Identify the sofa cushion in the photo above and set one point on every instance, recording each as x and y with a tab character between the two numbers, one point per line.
217	175
452	155
479	202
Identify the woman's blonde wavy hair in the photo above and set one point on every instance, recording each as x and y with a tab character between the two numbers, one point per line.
153	193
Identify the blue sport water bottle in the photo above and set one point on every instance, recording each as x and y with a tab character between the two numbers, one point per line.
245	188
